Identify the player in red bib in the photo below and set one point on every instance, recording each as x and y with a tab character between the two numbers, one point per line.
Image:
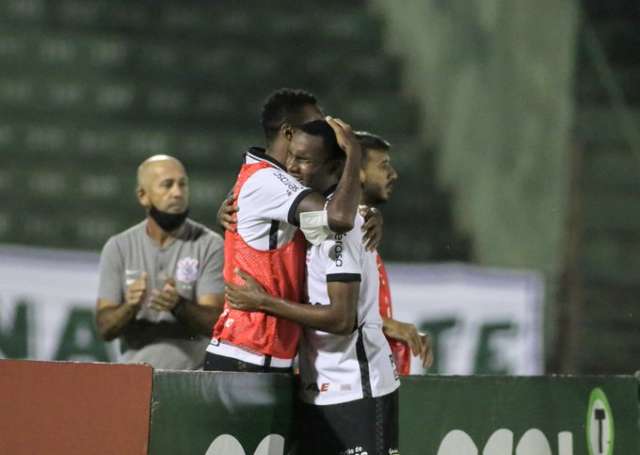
378	177
267	242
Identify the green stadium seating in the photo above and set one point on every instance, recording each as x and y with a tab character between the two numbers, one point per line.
92	87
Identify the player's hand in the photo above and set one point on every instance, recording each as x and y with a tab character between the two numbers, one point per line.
420	343
372	227
245	297
165	299
136	291
344	134
227	217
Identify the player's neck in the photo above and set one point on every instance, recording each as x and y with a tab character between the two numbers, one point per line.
277	151
365	200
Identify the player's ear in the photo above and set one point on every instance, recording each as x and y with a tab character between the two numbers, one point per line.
287	131
363	176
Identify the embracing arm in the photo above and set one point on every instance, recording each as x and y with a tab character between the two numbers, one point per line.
419	343
338	317
342	208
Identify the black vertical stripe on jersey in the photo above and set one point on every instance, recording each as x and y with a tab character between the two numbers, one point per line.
364	366
273	235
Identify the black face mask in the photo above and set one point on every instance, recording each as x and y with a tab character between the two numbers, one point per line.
168	222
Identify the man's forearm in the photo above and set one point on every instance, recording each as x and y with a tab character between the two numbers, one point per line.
319	317
342	208
198	318
112	321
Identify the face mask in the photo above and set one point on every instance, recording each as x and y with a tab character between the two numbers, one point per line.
169	222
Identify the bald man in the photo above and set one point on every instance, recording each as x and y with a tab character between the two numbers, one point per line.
161	287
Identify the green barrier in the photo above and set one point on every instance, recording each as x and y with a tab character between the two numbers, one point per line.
198	413
242	413
539	415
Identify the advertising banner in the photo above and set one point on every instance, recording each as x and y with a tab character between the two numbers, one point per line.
552	415
482	321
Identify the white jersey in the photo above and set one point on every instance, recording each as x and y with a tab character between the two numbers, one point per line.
267	204
341	368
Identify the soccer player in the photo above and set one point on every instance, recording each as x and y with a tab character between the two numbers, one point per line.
378	177
348	378
267	243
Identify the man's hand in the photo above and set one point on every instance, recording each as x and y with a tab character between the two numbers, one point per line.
165	299
344	135
136	291
227	217
420	343
372	227
247	297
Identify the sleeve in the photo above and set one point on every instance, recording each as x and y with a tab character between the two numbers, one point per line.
315	226
272	194
210	280
345	256
111	273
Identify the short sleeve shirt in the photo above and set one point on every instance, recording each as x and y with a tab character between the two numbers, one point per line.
267	203
338	368
194	260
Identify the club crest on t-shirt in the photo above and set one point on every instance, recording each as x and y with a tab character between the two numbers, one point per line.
187	270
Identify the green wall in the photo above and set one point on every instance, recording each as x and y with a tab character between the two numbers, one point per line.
439	415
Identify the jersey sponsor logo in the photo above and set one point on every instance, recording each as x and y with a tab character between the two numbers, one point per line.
336	251
286	180
311	387
187	270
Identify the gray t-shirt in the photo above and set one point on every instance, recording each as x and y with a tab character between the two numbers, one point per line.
194	259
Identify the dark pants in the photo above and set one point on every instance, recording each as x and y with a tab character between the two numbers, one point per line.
367	425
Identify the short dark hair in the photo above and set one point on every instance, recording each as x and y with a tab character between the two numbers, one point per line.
322	129
369	141
372	141
285	105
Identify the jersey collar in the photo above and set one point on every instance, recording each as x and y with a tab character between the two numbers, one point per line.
260	154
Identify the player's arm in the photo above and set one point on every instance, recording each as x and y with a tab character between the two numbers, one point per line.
420	343
227	213
338	317
342	208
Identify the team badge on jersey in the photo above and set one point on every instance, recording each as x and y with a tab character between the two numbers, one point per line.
187	270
